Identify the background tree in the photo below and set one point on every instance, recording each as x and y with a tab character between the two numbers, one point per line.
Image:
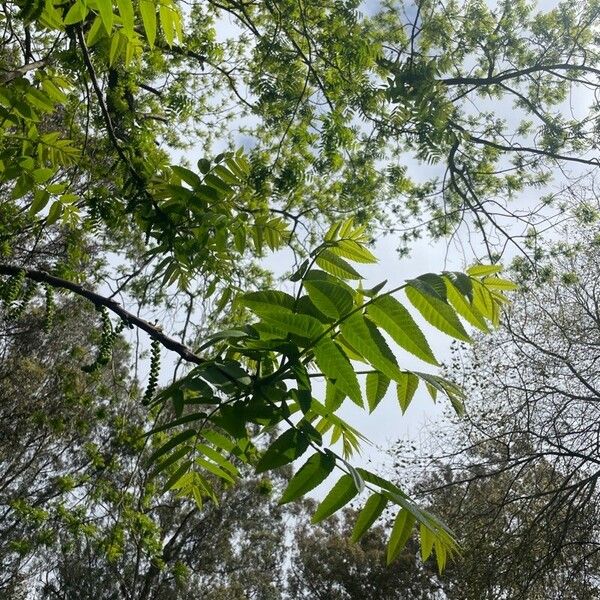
513	544
79	513
326	564
519	476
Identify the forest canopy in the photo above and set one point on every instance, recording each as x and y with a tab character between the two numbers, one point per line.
152	153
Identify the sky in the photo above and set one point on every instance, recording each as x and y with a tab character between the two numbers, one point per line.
386	425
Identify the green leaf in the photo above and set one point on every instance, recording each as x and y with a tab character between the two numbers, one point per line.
406	390
42	175
333	396
341	493
373	508
218	439
54	212
127	16
176	422
440	554
359	482
215	470
353	250
285	449
263	302
314	471
337	368
289	322
171	459
167	22
482	270
304	393
363	335
464	308
332	300
427	539
226	334
454	393
96	32
172	443
216	457
40	199
39	99
384	484
299	273
106	14
500	284
377	385
225	374
438	313
372	292
148	11
115	46
430	283
182	471
462	282
232	419
483	300
191	178
76	13
337	266
400	534
395	319
306	306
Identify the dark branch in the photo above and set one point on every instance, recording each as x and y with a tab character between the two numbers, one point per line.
98	300
516	73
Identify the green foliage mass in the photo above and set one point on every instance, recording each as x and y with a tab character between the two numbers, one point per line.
307	111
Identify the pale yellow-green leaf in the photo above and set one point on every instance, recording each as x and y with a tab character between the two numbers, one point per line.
106	14
395	319
167	22
127	16
148	12
406	390
463	307
427	539
438	313
337	368
483	270
401	532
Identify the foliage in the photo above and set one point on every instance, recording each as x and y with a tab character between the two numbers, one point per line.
93	100
329	103
216	410
326	564
80	516
518	479
513	544
242	389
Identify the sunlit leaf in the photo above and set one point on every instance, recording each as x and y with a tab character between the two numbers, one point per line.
341	493
314	471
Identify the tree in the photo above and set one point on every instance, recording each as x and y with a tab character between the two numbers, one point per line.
520	478
326	564
513	544
79	512
300	72
85	147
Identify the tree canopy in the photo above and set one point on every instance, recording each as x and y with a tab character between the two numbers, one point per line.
152	152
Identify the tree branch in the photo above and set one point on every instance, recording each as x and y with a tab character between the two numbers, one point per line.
517	73
98	300
32	66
